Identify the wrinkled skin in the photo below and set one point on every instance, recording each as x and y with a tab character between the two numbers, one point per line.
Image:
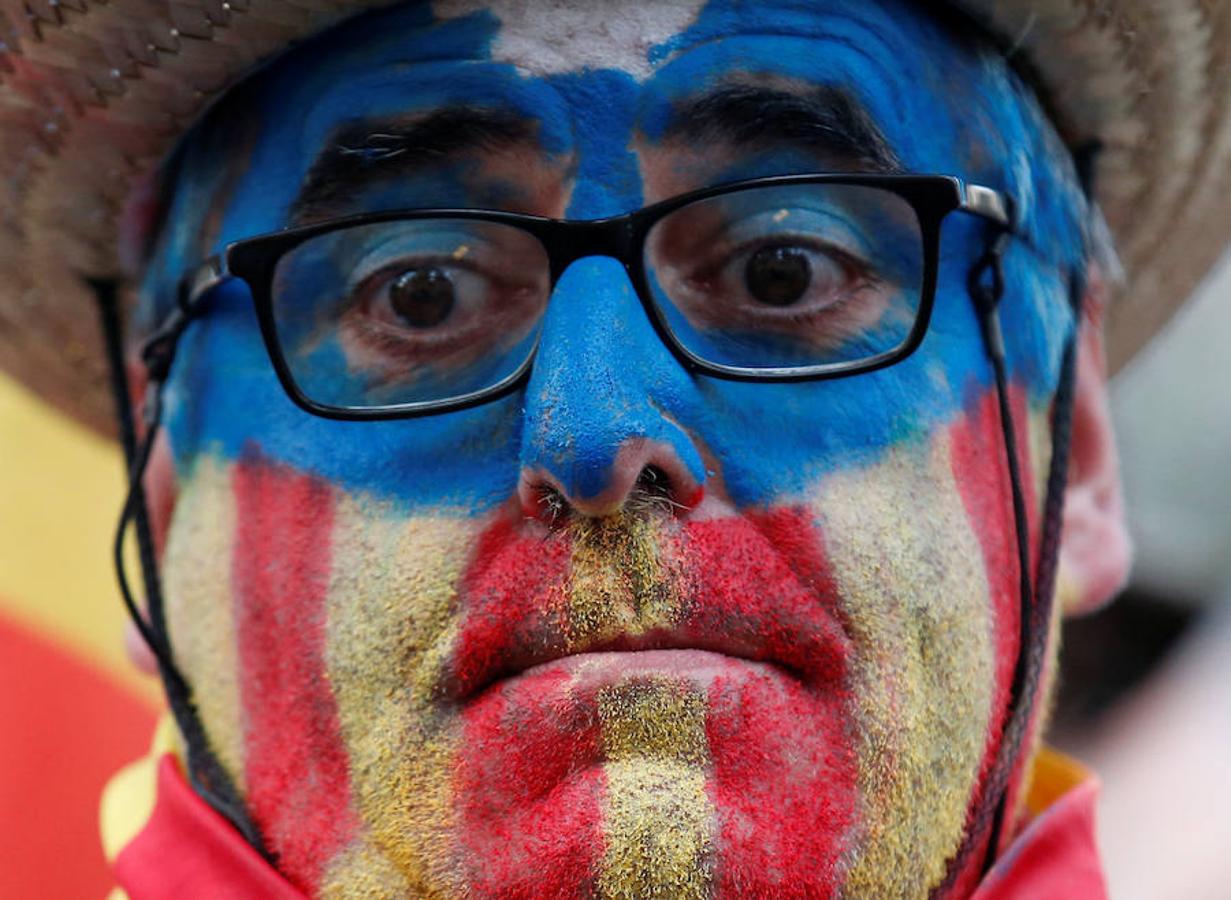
788	679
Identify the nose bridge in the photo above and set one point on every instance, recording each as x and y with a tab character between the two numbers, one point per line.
575	241
599	400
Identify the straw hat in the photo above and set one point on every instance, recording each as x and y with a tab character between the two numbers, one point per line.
93	93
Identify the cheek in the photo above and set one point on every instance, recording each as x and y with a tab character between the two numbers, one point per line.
225	401
776	441
311	626
921	544
248	563
981	473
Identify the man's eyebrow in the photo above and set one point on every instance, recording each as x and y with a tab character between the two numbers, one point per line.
365	150
824	119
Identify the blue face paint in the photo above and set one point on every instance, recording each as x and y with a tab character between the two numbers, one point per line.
597	143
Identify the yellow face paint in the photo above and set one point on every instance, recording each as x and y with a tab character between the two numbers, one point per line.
606	601
915	703
915	598
657	818
200	606
390	629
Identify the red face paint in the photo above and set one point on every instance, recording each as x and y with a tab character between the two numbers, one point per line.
528	791
705	680
753	600
296	767
754	588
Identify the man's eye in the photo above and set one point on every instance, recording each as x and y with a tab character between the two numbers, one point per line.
789	275
781	275
419	296
424	297
778	276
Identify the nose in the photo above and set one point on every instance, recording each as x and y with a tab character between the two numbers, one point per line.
603	405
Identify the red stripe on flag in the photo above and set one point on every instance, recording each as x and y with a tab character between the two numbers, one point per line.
296	765
67	726
762	578
508	589
982	478
783	786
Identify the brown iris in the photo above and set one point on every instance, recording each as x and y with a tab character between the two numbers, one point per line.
423	298
778	276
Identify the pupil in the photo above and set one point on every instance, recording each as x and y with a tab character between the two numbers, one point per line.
778	276
422	297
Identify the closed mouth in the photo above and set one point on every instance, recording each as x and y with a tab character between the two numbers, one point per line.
663	652
751	589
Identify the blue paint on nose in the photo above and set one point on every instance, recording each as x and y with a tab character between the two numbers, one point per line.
602	377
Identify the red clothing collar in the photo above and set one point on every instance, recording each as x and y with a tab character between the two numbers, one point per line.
186	850
1055	855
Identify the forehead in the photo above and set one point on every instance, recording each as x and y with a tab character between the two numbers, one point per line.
620	64
549	37
595	77
564	36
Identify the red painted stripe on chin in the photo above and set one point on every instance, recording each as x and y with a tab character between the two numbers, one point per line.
529	787
295	762
783	785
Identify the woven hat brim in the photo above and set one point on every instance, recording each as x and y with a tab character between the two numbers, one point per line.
93	94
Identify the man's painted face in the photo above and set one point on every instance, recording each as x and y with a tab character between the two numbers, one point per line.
629	631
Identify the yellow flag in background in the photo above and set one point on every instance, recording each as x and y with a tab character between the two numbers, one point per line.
72	708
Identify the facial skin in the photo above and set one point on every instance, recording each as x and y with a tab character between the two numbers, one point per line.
788	680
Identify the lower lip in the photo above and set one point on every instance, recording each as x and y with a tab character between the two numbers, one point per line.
586	672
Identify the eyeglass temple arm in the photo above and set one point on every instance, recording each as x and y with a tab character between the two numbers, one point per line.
990	204
200	281
158	350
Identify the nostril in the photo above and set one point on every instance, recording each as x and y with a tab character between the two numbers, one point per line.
655	492
645	477
653	480
550	506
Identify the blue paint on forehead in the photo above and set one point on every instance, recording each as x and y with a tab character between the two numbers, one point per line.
945	107
602	374
603	107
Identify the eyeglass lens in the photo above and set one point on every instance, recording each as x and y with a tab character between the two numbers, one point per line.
423	310
409	311
793	276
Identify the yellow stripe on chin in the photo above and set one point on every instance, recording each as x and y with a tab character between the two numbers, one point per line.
658	819
201	605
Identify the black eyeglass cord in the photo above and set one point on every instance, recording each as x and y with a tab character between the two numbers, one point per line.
206	774
986	286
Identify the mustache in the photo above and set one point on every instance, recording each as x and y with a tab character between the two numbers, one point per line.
754	586
653	494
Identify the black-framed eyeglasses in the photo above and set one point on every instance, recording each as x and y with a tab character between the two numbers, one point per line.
787	278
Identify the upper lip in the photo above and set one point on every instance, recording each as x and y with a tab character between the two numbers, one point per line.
512	617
